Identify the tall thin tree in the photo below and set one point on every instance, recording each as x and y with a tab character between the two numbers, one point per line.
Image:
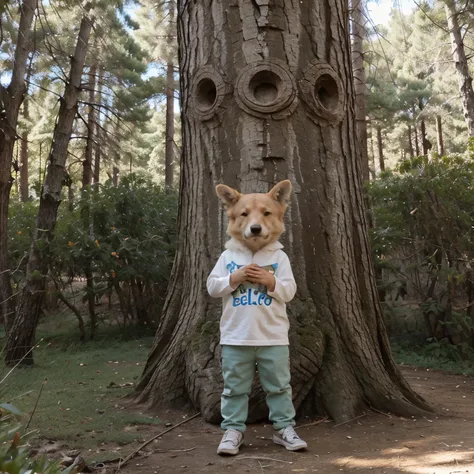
439	135
358	30
24	158
380	148
461	64
11	98
170	93
22	334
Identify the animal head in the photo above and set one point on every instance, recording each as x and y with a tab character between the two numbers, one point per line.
255	219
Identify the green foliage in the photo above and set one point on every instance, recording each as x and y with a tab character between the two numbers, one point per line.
438	355
83	386
130	241
20	233
133	229
445	350
14	452
423	211
428	203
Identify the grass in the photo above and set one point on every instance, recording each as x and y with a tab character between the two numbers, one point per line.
79	404
82	401
435	356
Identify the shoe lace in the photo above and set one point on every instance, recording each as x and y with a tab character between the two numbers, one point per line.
290	433
232	436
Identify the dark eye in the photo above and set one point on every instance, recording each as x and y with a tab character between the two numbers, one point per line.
267	213
244	214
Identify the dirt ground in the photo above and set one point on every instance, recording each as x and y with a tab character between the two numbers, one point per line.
373	443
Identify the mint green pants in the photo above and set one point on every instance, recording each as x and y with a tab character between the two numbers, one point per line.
238	369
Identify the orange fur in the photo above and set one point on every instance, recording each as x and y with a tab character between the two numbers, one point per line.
250	211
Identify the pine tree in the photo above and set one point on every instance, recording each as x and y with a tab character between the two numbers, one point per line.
11	98
159	31
22	334
461	64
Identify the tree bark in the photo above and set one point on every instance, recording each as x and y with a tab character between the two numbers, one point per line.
90	293
115	176
439	135
86	184
417	145
88	155
360	89
22	335
372	154
380	148
426	144
289	65
24	179
423	137
11	98
70	195
410	143
461	64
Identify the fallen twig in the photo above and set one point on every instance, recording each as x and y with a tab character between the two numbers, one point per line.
36	404
262	458
146	443
348	421
314	423
174	450
381	412
101	464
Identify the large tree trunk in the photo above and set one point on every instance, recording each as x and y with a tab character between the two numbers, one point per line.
359	20
380	148
11	98
439	135
462	66
289	65
22	335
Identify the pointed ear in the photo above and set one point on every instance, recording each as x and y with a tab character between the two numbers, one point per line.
227	195
281	192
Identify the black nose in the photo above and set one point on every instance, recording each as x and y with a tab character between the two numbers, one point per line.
256	229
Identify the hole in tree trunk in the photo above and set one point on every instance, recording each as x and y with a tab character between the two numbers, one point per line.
206	94
265	86
327	92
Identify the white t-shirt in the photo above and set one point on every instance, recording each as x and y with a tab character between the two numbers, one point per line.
251	315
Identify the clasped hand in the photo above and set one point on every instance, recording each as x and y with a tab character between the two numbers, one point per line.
254	274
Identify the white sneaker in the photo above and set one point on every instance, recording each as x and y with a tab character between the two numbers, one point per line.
230	442
288	438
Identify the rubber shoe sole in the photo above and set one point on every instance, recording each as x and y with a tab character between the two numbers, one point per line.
230	451
289	446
